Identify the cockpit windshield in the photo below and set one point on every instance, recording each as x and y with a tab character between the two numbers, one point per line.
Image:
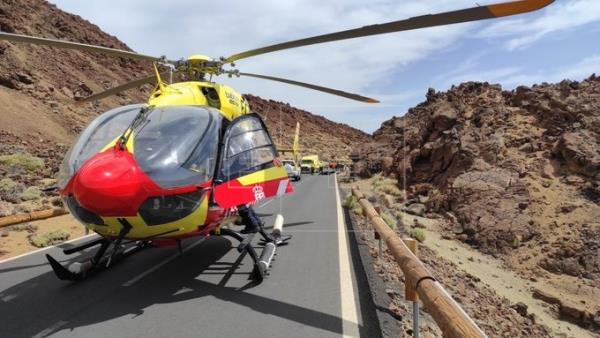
175	146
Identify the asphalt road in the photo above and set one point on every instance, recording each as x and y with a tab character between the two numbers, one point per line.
310	292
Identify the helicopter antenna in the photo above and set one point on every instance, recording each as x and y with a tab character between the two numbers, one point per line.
172	69
159	81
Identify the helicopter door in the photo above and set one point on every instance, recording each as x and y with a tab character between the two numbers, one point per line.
249	169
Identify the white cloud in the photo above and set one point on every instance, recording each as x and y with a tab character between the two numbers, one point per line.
582	69
559	17
510	77
577	71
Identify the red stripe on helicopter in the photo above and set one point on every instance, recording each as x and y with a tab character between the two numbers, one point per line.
233	193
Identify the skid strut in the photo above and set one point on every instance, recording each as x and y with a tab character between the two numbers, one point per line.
270	242
80	270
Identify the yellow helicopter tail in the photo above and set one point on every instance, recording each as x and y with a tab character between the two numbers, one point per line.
296	146
295	150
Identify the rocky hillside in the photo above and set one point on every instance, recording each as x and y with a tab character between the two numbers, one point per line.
515	173
38	84
39	117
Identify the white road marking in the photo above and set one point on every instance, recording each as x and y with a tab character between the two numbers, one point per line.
262	205
349	312
8	298
282	187
46	248
159	265
51	329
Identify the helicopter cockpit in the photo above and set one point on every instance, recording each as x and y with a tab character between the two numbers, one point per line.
175	146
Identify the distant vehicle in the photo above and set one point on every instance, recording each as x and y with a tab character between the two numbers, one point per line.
292	170
327	168
311	164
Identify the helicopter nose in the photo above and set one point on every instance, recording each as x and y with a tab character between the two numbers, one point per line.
111	184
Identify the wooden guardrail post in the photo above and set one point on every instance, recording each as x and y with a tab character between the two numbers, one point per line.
379	241
409	292
448	315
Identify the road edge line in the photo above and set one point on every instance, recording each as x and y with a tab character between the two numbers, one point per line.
44	249
347	287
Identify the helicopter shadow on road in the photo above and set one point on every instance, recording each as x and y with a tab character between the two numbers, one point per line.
43	300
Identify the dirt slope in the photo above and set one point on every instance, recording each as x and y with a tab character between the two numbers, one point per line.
38	84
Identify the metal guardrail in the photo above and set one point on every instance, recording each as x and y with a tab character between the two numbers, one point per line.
448	315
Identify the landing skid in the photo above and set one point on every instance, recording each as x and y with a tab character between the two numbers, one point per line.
101	260
269	242
104	258
80	270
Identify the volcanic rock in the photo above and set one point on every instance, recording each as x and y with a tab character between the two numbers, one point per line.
506	164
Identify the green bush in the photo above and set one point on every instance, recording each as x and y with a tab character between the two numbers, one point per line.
391	189
516	242
51	238
350	202
389	220
31	193
376	178
417	234
10	190
8	186
387	185
357	210
24	227
24	160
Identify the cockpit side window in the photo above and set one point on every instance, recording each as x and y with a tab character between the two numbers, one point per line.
248	148
246	141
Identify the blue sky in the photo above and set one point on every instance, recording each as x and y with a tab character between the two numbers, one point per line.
560	41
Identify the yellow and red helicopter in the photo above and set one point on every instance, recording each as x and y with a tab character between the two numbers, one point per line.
194	155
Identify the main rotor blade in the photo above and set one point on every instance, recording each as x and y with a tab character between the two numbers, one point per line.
75	45
123	87
430	20
314	87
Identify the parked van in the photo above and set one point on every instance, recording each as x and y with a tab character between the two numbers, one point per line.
310	164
